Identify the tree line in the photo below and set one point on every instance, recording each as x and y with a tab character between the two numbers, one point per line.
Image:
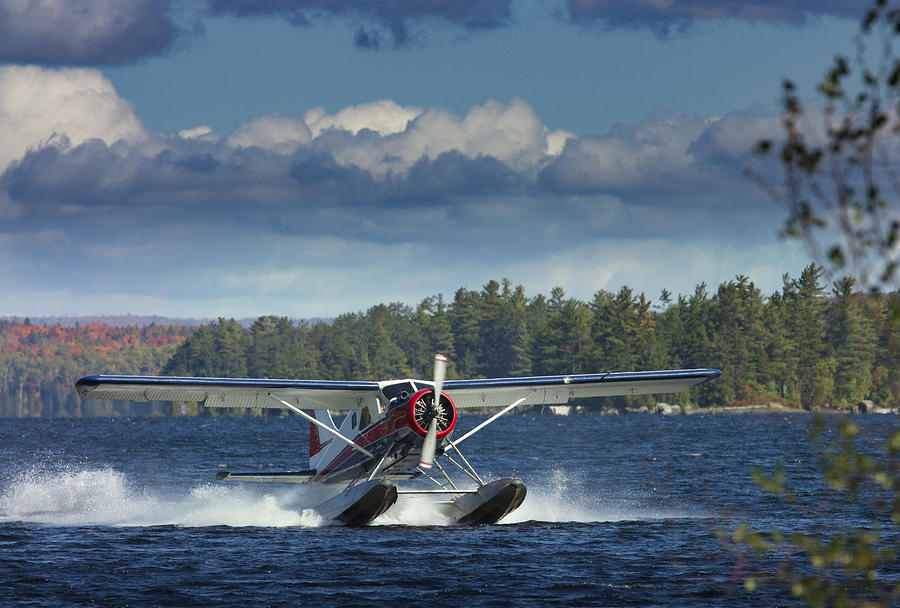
807	345
39	365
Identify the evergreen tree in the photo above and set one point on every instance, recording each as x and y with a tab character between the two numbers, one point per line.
738	340
519	341
492	361
564	345
308	360
386	358
273	350
815	364
781	349
433	317
853	339
465	323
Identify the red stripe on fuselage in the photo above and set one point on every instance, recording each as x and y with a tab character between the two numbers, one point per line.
315	444
396	419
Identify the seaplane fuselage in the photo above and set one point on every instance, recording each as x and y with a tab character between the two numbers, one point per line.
393	428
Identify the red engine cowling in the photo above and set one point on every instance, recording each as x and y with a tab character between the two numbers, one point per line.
420	406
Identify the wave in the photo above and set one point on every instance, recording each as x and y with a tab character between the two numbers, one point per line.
562	497
105	497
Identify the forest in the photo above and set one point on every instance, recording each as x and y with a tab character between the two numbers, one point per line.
809	345
39	365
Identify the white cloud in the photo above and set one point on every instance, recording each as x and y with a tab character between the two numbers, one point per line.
383	140
381	151
733	136
202	132
385	117
511	133
40	105
283	134
634	156
65	108
557	140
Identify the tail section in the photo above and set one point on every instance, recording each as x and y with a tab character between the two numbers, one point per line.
316	445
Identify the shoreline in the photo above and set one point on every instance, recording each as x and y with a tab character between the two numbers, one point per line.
664	409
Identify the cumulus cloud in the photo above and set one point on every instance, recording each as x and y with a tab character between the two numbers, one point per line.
640	157
729	141
274	132
663	155
79	32
665	18
510	133
68	137
398	20
69	106
200	133
329	201
385	117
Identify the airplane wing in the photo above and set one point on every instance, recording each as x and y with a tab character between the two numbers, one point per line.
346	395
552	390
229	392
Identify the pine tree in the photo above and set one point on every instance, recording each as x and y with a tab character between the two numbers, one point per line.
465	318
434	319
816	365
781	349
565	344
738	339
519	342
853	339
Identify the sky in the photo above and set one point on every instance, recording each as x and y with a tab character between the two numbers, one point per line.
307	158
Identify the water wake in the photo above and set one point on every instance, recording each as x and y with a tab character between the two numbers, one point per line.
563	498
105	497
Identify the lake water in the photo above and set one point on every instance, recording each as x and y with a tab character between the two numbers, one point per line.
621	511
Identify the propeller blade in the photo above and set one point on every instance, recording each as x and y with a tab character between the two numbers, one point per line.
429	446
440	370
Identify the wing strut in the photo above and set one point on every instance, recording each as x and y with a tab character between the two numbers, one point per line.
323	426
380	462
492	418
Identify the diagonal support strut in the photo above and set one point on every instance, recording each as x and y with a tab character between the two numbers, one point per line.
323	426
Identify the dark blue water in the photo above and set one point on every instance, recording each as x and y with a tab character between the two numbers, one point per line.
621	511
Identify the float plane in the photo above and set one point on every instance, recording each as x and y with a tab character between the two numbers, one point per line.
394	431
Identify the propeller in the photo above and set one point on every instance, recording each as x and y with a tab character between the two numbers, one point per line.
430	444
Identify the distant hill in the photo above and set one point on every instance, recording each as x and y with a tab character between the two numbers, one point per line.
110	320
41	357
132	320
39	364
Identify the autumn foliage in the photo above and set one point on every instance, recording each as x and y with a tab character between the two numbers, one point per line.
39	365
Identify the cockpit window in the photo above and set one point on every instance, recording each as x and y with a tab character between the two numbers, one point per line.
397	390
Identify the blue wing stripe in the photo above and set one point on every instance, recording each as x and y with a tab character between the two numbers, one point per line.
88	383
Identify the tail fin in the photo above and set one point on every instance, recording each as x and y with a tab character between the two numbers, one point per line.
316	445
